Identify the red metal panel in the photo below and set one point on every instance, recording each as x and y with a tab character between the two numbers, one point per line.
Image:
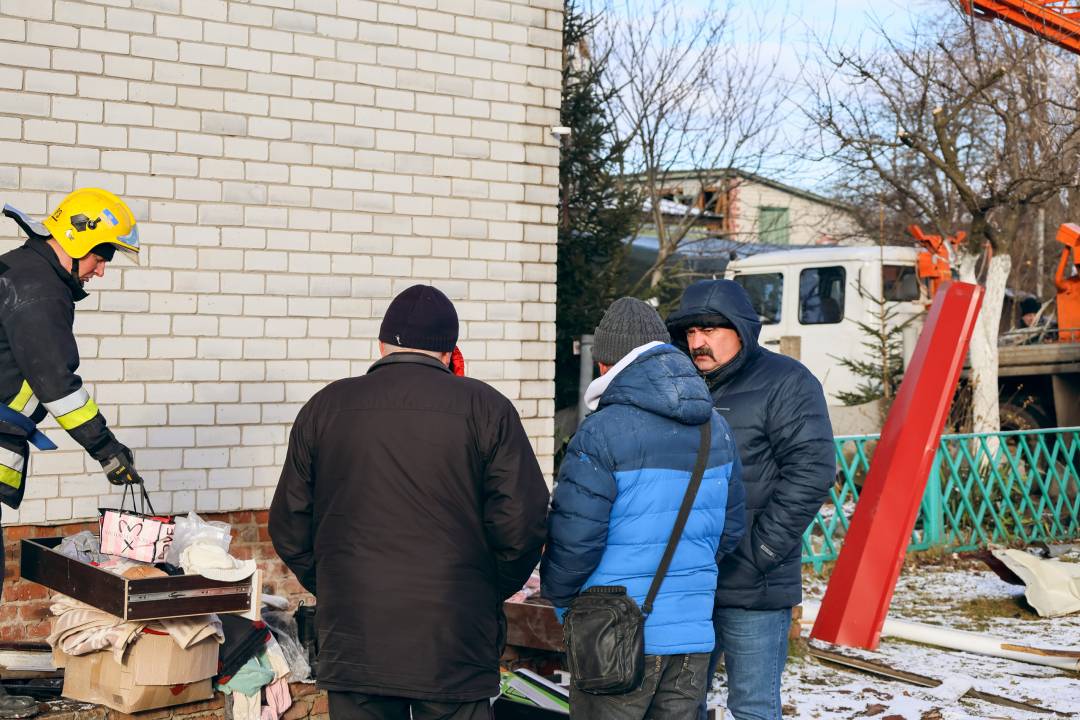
1055	20
861	587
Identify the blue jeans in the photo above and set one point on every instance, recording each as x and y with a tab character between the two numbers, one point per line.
754	644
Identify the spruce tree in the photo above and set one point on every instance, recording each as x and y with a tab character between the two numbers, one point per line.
596	210
881	368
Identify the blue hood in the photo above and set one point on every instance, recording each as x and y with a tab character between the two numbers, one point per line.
665	382
702	304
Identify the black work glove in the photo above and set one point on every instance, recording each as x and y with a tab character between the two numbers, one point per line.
120	469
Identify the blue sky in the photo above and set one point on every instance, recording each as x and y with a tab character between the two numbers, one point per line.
798	27
794	32
848	19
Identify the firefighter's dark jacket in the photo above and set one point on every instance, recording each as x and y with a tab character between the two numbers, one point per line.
412	505
38	360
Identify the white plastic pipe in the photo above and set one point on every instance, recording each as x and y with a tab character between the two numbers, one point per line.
1057	657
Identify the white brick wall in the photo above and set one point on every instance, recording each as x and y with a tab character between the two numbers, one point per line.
293	164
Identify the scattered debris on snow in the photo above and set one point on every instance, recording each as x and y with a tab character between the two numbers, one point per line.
1053	586
952	592
950	689
947	638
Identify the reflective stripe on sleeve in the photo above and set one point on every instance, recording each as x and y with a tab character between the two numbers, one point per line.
11	468
73	410
24	401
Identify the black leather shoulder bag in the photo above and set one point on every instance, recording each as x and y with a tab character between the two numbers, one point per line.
604	629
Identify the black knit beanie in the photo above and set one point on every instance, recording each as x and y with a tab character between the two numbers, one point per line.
628	323
105	251
421	318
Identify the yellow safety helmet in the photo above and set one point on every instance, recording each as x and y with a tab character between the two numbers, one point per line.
90	217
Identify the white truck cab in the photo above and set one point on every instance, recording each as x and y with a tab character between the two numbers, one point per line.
810	304
811	307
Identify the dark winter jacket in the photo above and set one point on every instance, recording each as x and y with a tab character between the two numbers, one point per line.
777	411
411	505
39	357
620	488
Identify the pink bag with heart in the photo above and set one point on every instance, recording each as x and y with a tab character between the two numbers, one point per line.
136	535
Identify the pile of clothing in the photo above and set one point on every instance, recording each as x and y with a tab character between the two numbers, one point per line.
133	665
253	670
191	553
246	661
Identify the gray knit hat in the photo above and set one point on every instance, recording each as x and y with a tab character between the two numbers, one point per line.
628	323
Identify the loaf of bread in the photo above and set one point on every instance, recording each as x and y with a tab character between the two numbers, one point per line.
140	572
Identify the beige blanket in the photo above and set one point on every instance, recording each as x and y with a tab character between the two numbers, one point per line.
80	629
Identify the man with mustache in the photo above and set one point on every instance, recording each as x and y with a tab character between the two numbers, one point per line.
776	409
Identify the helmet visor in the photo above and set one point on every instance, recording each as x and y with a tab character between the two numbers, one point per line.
129	244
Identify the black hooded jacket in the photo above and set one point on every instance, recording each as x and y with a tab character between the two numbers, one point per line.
777	411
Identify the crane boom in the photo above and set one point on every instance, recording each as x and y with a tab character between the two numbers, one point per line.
1055	20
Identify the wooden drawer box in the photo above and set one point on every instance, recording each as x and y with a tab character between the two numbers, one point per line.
146	599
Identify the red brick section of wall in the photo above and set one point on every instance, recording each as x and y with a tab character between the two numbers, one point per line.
24	610
251	541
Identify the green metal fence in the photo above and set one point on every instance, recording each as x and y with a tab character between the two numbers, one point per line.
988	488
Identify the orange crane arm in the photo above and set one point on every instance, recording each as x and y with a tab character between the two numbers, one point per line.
1055	20
1069	236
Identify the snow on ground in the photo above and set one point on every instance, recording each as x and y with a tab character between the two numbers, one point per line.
957	593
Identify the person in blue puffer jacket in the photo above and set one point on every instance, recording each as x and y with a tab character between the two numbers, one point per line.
619	490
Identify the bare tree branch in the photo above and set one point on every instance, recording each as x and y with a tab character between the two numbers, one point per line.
987	119
693	98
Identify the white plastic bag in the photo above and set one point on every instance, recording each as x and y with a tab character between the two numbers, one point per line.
283	625
192	529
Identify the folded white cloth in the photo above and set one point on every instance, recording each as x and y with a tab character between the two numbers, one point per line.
275	602
246	707
278	663
213	562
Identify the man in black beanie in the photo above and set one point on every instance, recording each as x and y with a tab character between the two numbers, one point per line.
411	505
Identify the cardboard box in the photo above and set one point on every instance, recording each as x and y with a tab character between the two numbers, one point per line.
155	673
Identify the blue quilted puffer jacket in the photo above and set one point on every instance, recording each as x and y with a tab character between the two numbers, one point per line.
619	490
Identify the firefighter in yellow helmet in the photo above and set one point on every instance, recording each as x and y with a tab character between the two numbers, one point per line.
40	283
